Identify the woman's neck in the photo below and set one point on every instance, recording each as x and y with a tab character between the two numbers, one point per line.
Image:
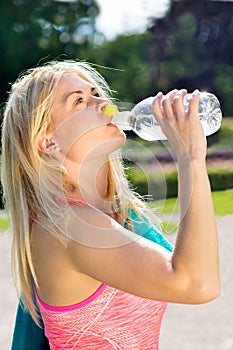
92	179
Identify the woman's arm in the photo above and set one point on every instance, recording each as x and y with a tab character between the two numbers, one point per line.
104	250
196	247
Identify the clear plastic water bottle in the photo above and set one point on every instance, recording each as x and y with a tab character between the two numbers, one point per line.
143	123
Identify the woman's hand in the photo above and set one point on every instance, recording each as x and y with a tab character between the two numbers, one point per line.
196	247
182	129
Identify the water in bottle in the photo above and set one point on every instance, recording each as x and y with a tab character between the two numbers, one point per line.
143	123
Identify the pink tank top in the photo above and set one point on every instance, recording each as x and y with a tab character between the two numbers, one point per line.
109	319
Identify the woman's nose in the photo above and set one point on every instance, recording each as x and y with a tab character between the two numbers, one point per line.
100	103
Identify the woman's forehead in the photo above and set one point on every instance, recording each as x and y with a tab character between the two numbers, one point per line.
73	79
71	82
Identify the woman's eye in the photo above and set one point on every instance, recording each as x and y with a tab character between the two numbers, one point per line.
96	94
79	100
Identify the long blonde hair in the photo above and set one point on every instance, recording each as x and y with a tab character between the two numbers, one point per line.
30	181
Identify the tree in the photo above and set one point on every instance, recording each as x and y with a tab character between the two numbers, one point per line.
192	47
124	63
42	29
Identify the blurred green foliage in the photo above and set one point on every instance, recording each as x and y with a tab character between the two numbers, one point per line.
147	178
220	179
190	47
41	30
223	139
149	183
193	45
166	186
124	63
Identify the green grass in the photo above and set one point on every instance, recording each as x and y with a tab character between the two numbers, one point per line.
4	224
169	227
223	203
171	205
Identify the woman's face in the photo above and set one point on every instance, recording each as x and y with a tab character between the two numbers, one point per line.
81	129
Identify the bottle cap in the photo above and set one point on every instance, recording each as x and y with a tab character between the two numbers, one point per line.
110	110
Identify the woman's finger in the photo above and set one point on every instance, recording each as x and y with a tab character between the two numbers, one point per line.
156	107
194	104
167	104
178	103
171	94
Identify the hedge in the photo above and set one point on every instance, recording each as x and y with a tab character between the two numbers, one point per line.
221	179
167	187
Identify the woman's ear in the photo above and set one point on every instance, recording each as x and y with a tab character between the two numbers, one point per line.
46	145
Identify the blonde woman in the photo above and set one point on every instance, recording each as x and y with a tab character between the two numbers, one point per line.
83	242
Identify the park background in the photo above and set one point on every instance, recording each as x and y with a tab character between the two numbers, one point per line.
180	44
